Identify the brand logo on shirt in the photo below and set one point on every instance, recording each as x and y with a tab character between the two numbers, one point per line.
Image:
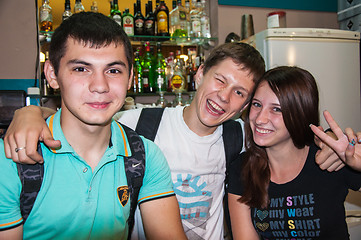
123	195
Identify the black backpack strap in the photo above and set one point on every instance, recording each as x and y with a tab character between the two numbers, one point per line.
31	177
148	122
134	170
233	142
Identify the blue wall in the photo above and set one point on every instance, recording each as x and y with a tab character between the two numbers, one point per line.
308	5
17	84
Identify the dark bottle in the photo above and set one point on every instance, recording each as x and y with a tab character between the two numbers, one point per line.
128	22
159	71
162	18
147	73
149	26
139	20
67	10
115	14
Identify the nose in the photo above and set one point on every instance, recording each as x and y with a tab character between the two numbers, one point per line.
262	117
224	94
98	83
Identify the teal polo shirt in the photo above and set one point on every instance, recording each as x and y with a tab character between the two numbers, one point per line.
75	202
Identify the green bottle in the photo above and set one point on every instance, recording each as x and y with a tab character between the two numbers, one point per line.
159	71
128	22
137	78
147	73
115	14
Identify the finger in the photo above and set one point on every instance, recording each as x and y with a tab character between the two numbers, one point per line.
358	135
10	148
333	125
322	136
340	166
51	143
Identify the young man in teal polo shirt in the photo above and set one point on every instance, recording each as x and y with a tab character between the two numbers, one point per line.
91	63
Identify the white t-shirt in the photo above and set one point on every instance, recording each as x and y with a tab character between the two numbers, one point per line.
197	166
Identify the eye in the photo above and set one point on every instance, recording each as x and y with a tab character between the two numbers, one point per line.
240	93
114	71
219	80
277	109
79	69
256	104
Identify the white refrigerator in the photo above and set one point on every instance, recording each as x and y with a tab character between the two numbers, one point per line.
331	56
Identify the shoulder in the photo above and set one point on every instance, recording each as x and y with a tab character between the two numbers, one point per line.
128	117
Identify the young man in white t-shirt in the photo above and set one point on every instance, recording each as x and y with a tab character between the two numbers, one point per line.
190	137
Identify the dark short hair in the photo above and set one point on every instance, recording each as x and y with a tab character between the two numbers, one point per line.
94	29
242	54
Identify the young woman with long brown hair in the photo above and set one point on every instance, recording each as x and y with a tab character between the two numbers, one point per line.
276	190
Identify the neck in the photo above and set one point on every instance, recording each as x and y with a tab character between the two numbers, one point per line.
89	142
286	162
192	120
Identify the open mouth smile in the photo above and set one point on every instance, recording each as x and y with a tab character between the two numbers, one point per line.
214	108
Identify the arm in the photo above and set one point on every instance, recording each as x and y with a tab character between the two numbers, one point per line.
13	233
161	219
240	213
347	146
26	129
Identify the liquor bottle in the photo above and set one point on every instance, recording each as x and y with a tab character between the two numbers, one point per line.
147	70
67	10
169	71
139	20
149	26
94	7
162	17
46	17
205	23
188	9
115	14
128	22
159	75
195	20
178	80
191	70
78	7
137	76
172	19
178	23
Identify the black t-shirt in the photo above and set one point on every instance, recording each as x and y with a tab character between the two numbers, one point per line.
311	206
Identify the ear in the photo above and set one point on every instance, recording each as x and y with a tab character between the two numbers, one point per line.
50	75
199	75
130	81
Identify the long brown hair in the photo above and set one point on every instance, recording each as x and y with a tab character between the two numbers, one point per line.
297	92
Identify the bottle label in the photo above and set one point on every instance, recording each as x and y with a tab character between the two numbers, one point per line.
196	26
128	25
118	19
176	82
46	16
182	15
149	24
162	22
139	23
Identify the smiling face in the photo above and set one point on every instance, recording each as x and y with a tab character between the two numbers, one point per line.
221	93
266	120
93	82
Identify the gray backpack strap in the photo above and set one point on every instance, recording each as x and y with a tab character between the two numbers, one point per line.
148	122
134	170
31	177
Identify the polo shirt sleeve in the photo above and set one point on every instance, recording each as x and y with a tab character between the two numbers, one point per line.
10	188
157	181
